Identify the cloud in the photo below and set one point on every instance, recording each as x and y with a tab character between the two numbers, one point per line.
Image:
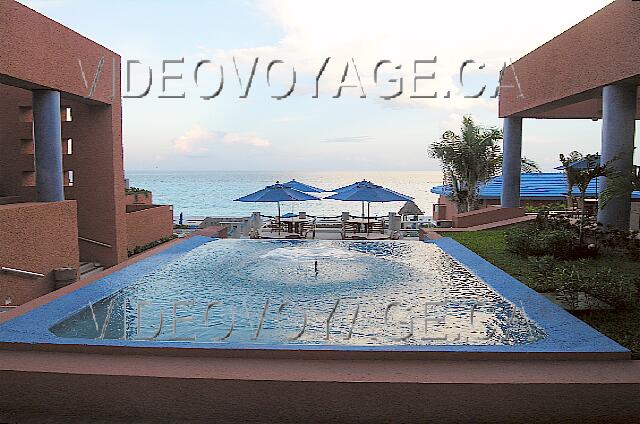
370	31
452	123
349	139
287	119
199	141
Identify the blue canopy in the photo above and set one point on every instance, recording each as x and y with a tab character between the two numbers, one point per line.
277	193
366	191
306	188
348	187
534	186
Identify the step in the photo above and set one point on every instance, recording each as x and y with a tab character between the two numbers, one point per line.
86	266
94	271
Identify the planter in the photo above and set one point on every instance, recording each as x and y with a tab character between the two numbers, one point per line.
65	274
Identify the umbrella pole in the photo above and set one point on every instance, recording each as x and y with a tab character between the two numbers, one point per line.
363	209
368	217
278	218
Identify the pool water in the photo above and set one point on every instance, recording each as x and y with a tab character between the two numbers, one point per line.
308	292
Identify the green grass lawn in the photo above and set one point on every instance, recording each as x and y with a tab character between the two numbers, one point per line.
621	325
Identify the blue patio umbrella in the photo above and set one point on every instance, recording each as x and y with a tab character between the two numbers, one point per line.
275	194
348	187
366	191
306	188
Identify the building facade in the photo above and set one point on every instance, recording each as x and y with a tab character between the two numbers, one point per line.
62	194
591	71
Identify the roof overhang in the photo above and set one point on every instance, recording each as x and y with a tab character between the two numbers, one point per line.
564	78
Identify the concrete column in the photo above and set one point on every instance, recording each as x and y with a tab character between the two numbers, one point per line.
512	163
47	133
618	132
395	222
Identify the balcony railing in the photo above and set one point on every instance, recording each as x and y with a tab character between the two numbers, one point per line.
21	272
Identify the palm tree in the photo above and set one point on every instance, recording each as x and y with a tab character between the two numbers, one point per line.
470	159
571	158
620	184
581	176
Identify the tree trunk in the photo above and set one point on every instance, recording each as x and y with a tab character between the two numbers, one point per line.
583	195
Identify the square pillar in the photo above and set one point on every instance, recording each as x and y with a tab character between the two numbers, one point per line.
47	137
618	132
511	163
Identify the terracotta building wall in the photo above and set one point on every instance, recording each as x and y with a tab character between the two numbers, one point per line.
40	53
49	241
95	161
148	224
600	50
15	131
98	185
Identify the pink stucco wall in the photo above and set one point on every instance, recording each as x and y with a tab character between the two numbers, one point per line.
36	237
486	216
445	209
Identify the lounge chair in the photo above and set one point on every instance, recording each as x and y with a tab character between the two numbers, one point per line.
308	227
348	227
378	236
276	236
276	225
376	226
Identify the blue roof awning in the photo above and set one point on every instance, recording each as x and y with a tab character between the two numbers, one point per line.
535	186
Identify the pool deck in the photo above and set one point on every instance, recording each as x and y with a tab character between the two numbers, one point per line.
123	381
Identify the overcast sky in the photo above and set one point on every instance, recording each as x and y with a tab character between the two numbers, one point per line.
301	132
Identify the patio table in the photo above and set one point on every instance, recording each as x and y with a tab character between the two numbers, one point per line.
294	223
363	222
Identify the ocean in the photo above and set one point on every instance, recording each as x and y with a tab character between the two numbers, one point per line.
212	193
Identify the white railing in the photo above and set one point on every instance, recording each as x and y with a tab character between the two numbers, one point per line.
99	243
21	272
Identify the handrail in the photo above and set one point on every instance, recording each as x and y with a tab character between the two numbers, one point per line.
21	272
95	242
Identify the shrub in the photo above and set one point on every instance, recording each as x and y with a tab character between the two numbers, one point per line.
626	242
556	242
552	275
555	237
151	245
136	190
560	206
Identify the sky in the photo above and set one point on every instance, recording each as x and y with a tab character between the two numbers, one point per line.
249	128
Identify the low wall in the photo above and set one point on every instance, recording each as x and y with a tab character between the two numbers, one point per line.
148	223
142	198
40	386
486	216
445	209
36	237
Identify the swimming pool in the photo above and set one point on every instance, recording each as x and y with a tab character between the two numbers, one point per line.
389	295
309	292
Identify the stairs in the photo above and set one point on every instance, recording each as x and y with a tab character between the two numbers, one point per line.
88	269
